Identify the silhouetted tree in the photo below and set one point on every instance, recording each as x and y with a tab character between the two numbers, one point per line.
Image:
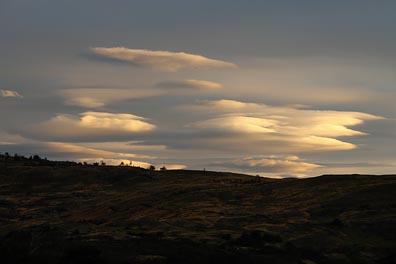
163	168
152	168
6	157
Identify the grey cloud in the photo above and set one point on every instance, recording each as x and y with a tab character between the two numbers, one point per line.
160	60
97	98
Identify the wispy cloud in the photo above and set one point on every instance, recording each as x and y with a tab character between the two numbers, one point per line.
76	152
270	164
100	97
115	162
160	60
190	84
10	93
237	124
60	149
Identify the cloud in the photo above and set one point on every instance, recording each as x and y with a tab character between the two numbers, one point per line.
97	98
172	166
190	84
9	93
229	104
6	143
60	149
100	97
88	152
276	128
239	124
10	139
135	146
135	163
361	164
90	126
116	162
270	164
160	60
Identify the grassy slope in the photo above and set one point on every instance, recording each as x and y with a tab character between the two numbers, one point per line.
129	215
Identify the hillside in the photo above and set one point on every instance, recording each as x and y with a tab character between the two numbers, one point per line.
103	214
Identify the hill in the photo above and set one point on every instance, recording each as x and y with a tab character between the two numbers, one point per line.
106	214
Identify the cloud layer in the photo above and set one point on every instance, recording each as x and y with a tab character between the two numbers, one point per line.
160	60
99	97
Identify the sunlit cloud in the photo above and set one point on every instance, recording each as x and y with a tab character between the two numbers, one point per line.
190	84
10	139
238	124
160	60
75	152
172	166
132	163
97	98
60	149
230	104
270	164
84	153
125	146
91	126
10	94
278	128
117	162
6	143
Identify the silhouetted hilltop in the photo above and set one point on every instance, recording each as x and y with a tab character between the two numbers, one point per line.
63	212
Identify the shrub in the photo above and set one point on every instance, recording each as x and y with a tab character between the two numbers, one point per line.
258	238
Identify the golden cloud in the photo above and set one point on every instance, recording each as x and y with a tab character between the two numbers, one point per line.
285	128
9	93
271	164
92	125
76	151
190	84
239	124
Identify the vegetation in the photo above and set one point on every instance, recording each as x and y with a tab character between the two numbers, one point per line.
66	212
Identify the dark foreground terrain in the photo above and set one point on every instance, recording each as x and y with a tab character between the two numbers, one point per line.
102	214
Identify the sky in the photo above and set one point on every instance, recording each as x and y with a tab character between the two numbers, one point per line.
271	88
